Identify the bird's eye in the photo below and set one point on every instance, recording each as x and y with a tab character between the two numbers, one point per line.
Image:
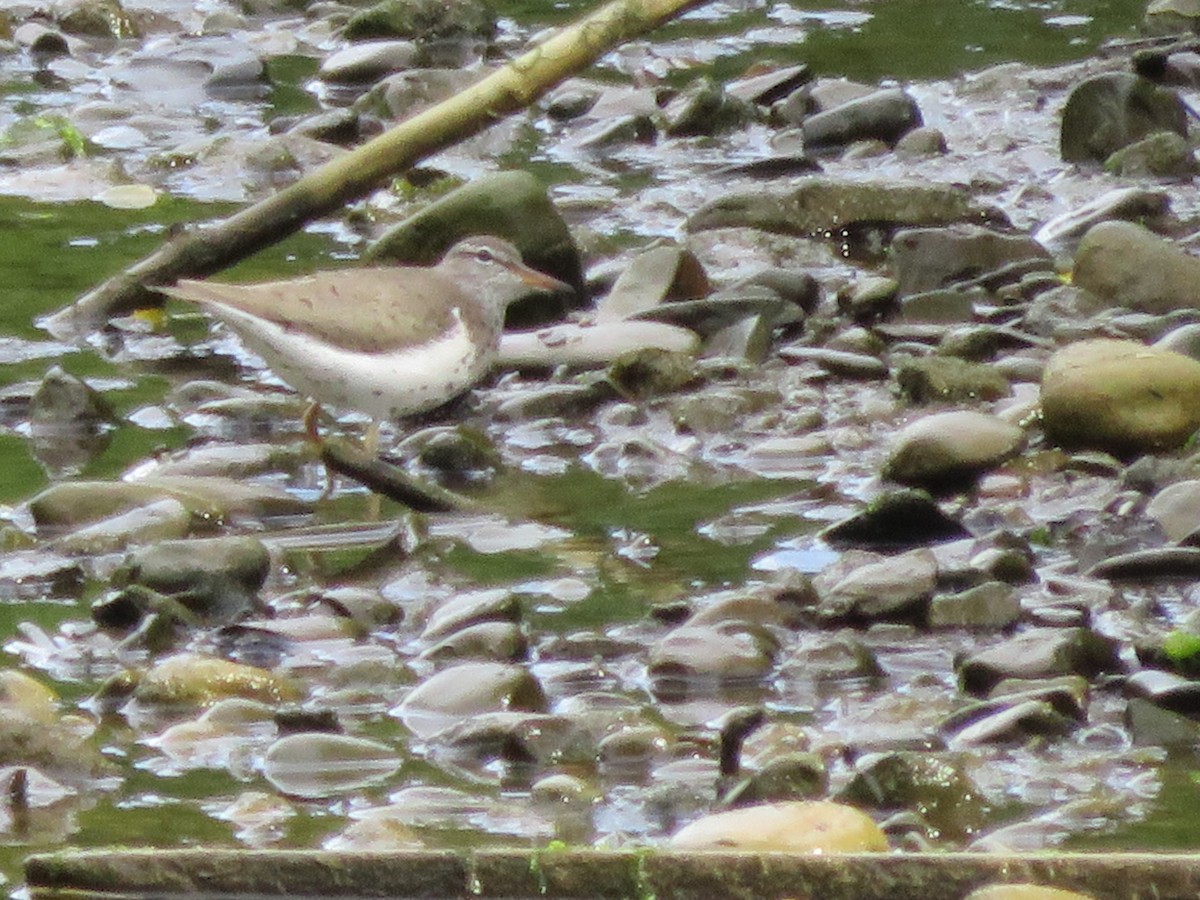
485	255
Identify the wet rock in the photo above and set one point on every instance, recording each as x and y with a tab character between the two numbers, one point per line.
1111	111
23	695
1146	565
157	520
615	132
471	608
591	346
949	306
1120	396
469	689
884	115
641	374
925	259
512	205
897	519
922	141
567	400
833	657
232	461
406	93
486	640
1123	264
814	826
766	88
422	20
63	405
52	748
944	379
1134	204
720	409
316	765
1164	154
706	109
951	447
935	786
94	18
798	289
869	299
1171	17
630	751
1038	653
367	62
864	586
570	101
1068	694
217	579
738	323
839	362
1177	509
1024	892
1152	726
1166	690
653	277
992	605
1015	722
792	776
696	655
1185	339
819	205
517	738
188	679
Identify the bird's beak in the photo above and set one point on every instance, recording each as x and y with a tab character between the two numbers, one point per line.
542	282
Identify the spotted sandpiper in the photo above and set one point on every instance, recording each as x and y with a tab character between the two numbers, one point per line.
385	341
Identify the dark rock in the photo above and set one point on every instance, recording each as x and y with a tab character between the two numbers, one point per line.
992	605
818	206
925	259
422	20
885	115
654	276
1012	722
935	785
895	520
1144	565
922	141
1113	110
1160	155
769	87
838	362
1151	725
367	62
950	447
1123	264
944	379
215	578
1135	204
1038	653
706	109
512	205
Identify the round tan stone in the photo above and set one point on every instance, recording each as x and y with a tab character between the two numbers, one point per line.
1120	396
800	826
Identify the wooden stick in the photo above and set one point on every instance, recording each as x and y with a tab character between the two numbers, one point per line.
352	176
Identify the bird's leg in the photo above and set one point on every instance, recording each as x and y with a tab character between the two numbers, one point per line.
374	508
310	428
310	421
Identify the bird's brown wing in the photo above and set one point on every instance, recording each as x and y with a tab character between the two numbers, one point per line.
368	309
